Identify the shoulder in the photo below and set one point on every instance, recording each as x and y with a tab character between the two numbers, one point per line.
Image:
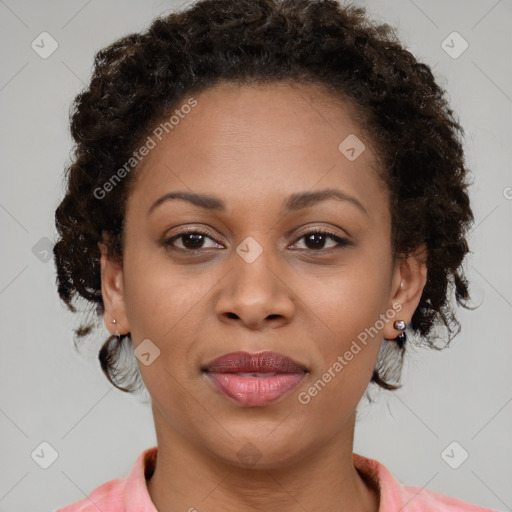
421	499
108	496
118	495
396	496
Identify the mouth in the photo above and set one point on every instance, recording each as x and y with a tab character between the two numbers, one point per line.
254	379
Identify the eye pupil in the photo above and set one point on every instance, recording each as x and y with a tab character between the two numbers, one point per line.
318	240
195	237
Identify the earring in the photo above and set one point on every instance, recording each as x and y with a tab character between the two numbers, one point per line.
400	325
114	321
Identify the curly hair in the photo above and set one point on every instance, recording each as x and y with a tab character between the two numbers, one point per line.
140	78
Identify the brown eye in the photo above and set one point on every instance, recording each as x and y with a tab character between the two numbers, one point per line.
191	240
315	241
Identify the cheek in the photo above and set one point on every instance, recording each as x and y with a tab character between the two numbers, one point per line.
348	349
167	305
161	297
348	312
352	297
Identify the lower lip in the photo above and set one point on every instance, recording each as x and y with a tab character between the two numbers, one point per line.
255	391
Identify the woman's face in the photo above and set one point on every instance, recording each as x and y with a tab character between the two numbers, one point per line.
255	277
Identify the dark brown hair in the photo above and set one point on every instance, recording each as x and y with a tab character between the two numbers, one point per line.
140	78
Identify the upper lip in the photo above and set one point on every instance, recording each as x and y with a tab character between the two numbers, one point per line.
260	362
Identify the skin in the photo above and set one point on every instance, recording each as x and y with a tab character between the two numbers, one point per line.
252	147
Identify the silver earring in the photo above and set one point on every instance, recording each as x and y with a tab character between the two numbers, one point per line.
400	325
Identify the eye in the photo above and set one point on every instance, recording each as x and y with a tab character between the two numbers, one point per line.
316	241
193	240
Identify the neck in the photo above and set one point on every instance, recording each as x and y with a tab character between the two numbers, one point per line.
187	478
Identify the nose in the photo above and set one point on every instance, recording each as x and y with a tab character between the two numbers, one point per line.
256	294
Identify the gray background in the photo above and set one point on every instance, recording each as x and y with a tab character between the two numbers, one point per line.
51	393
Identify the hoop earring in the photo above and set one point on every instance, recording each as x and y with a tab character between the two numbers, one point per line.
401	326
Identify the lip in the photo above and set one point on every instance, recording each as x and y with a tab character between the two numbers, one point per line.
236	362
254	379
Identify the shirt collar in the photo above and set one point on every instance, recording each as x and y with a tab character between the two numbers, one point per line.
136	495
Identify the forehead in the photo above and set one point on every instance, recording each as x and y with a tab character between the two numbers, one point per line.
251	143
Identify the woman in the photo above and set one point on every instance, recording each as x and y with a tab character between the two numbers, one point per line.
264	197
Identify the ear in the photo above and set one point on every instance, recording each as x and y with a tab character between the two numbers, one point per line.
409	279
112	290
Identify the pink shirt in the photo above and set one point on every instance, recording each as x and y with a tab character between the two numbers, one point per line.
130	494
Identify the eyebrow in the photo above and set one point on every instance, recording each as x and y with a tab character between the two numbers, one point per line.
294	202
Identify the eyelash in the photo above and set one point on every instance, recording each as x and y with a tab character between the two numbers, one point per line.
342	242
